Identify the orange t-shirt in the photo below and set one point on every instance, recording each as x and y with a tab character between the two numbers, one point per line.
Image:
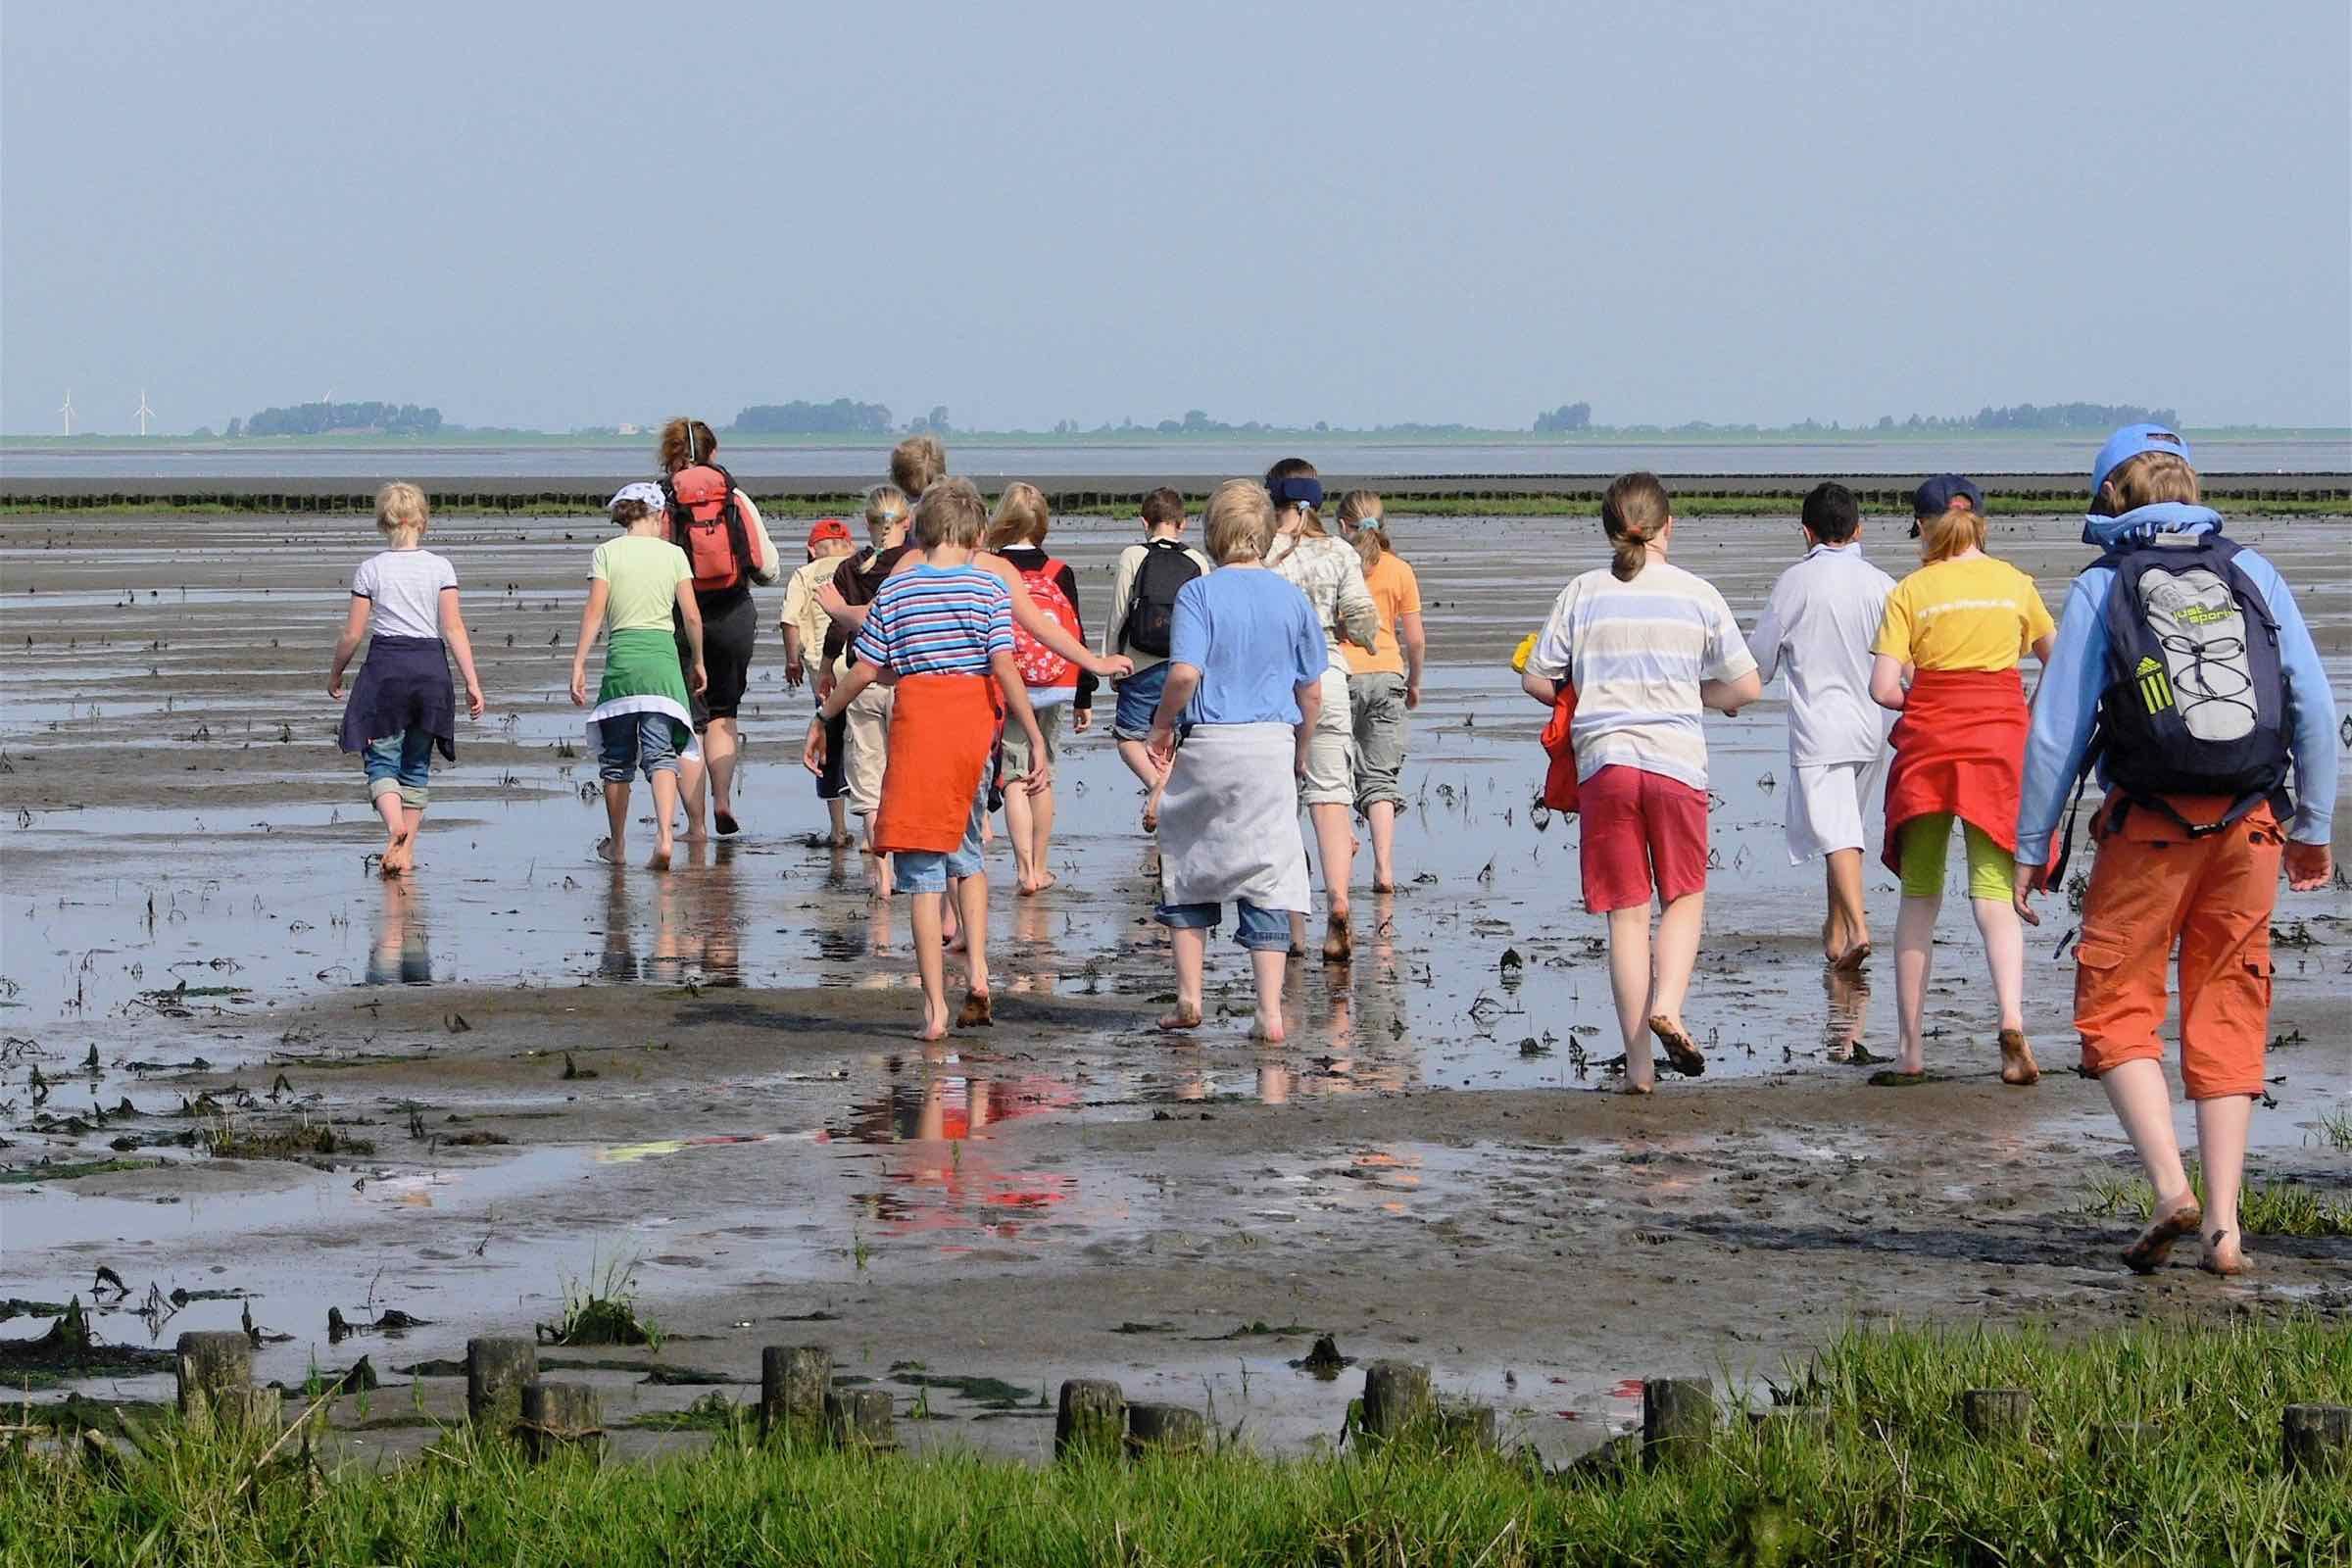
1395	592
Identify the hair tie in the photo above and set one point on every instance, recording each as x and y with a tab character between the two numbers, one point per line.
1296	491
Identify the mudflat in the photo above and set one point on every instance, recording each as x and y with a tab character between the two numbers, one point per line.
518	1070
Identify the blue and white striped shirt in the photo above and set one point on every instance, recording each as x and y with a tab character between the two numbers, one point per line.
937	621
1637	653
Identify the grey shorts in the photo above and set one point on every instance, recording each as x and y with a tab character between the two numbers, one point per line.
1376	710
1330	749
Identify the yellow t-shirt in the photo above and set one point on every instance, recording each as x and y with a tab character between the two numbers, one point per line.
1395	591
801	608
644	573
1977	613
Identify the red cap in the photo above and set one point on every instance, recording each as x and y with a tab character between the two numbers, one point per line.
828	528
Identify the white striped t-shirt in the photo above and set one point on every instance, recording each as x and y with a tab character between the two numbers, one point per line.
1636	653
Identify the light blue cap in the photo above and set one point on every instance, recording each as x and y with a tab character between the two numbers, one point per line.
2129	443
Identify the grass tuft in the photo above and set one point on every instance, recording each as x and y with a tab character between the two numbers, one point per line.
2264	1208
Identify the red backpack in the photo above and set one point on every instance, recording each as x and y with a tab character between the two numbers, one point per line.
706	522
1040	665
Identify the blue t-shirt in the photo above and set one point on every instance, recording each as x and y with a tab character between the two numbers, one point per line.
1255	639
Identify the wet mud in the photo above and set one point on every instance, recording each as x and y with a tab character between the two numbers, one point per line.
261	1087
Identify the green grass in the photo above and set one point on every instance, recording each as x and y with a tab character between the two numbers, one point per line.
2264	1208
1895	1481
2336	1129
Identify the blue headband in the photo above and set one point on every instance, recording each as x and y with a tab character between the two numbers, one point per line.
1296	492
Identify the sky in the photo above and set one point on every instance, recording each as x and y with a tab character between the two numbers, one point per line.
561	212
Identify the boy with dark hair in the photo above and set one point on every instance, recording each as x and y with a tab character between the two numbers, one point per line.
1818	625
2187	656
1145	584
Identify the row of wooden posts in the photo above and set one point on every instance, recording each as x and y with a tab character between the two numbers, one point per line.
504	1394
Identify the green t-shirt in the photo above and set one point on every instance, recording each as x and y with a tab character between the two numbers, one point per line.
644	573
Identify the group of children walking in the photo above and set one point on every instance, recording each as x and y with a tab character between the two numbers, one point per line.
1274	673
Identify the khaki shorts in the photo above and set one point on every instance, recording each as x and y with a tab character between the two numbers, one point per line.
1051	720
868	715
1331	749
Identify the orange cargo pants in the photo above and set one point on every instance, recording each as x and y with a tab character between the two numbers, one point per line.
2151	886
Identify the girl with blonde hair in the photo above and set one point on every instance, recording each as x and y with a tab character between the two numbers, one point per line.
1383	681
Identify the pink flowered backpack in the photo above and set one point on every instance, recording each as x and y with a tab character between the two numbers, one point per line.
1040	665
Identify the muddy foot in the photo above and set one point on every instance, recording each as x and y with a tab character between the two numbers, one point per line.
1184	1018
1851	960
1896	1078
2223	1256
1338	943
979	1011
399	855
2148	1253
661	858
725	821
1268	1030
2018	1066
935	1027
606	852
1632	1088
1680	1050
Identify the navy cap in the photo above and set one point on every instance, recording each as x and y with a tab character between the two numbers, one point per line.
1935	497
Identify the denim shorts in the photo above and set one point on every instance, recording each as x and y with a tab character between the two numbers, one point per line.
928	870
1139	700
400	764
1258	930
635	742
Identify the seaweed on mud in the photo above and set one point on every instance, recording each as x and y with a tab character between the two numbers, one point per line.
712	1412
18	1307
992	1392
70	1351
303	1142
392	1320
1259	1329
73	1171
1324	1361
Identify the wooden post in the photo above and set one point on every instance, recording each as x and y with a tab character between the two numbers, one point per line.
1397	1398
792	1392
1677	1419
1998	1415
496	1372
560	1416
2316	1440
1092	1421
216	1374
1468	1428
1166	1429
859	1418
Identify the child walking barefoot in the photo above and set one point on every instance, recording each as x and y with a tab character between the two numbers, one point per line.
1056	686
641	721
2192	655
1145	584
1946	659
1246	674
402	707
942	628
1646	646
1383	681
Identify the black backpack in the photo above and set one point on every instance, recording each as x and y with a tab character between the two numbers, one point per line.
2195	699
1151	605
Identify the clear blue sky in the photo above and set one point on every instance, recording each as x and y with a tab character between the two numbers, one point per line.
556	212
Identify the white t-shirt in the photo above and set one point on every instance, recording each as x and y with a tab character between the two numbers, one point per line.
404	586
1637	653
1819	624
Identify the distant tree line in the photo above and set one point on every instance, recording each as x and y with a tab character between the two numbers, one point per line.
841	417
329	419
2038	416
1567	416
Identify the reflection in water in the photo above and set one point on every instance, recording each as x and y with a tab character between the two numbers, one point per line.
696	928
1848	1003
942	1175
399	956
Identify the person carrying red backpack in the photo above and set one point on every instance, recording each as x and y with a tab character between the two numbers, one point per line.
1017	532
728	545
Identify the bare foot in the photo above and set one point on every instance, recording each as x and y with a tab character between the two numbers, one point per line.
725	821
608	851
1901	1078
1338	943
935	1026
2223	1256
2018	1066
400	854
1851	960
696	834
1186	1016
2148	1253
1151	816
1384	884
1680	1050
1632	1088
1268	1030
979	1011
660	860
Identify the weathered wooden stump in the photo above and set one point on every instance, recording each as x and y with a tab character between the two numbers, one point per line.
792	1392
496	1374
1166	1429
1399	1398
1998	1415
859	1418
1677	1419
216	1375
2316	1440
1468	1428
560	1418
1092	1422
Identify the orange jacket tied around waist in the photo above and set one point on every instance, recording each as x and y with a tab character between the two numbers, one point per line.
1960	746
943	729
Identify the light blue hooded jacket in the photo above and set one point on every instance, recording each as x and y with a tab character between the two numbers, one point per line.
2068	699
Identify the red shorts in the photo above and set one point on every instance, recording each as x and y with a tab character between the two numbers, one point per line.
1634	822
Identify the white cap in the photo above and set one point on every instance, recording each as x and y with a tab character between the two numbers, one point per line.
642	490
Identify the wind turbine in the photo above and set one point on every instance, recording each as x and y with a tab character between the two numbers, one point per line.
144	413
68	410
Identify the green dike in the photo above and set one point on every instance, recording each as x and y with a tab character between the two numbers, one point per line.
1897	1478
